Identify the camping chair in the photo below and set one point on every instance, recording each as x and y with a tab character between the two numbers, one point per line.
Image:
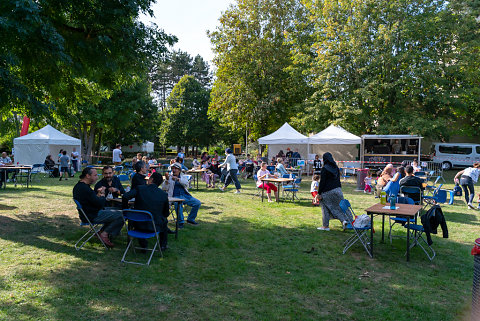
416	236
293	189
408	191
439	196
359	233
258	191
140	216
348	172
118	169
400	220
36	169
429	188
123	178
92	231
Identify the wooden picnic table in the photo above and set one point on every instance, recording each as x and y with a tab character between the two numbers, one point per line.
277	181
197	173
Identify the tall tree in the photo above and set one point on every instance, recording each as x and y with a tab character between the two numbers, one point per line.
253	85
185	121
388	67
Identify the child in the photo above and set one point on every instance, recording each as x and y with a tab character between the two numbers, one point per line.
314	190
368	183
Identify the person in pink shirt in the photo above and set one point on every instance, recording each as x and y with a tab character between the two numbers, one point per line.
269	187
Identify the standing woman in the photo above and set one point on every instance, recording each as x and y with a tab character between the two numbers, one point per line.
232	168
330	193
468	177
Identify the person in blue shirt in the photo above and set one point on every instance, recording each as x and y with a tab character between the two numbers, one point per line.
232	167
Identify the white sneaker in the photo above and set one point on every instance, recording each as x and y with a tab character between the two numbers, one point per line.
470	205
365	192
236	192
271	201
222	189
321	228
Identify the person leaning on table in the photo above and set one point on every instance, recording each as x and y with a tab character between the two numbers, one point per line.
93	205
468	177
330	193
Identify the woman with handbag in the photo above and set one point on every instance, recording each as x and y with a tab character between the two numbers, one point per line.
468	177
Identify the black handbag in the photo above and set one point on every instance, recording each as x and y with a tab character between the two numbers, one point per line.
457	190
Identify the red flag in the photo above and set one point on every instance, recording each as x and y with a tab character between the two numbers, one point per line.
26	123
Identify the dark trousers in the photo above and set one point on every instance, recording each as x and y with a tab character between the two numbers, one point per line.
232	176
112	220
468	189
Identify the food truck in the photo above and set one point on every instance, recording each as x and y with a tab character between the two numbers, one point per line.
379	150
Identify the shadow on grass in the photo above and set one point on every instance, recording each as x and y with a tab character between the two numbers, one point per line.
7	208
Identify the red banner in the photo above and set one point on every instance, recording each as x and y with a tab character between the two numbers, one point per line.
25	125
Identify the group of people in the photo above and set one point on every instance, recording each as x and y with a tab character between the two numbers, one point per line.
151	194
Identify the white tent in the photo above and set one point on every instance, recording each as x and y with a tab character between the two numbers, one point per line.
329	139
34	147
284	138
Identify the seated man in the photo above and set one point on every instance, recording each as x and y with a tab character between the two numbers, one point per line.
5	160
150	198
412	180
93	206
176	185
111	183
140	173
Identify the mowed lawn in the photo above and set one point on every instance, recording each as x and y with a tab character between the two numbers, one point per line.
246	260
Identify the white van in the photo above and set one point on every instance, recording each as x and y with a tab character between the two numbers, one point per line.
456	154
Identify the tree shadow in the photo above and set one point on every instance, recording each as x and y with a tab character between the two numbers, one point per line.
7	208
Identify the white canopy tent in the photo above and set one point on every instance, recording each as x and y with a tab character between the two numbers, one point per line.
336	140
284	138
146	147
35	147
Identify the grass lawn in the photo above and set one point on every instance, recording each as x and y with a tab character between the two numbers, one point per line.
246	260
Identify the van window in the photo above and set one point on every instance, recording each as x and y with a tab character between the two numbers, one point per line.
478	149
463	150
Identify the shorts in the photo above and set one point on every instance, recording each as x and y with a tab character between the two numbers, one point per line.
63	169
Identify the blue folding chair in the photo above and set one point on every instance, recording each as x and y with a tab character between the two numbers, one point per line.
293	189
359	233
140	216
92	231
123	178
400	220
439	196
430	188
416	234
258	191
408	191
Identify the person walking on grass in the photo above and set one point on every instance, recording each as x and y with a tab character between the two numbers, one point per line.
232	168
64	159
330	193
468	177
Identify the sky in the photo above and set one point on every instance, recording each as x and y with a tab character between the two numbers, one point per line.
189	20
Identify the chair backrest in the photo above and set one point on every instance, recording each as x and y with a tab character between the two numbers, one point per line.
441	196
123	178
270	168
82	212
118	168
405	200
419	174
297	181
255	177
437	189
412	190
138	215
347	209
437	179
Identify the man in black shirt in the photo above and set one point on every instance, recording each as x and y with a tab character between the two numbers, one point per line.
411	180
93	206
140	173
151	198
111	183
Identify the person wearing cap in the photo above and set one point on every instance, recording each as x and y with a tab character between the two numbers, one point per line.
231	165
93	205
150	198
176	185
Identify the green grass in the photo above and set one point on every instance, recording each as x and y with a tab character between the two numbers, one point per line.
246	260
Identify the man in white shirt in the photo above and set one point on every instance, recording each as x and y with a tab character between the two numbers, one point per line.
117	155
75	156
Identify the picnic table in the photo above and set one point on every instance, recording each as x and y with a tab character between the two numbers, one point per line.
5	168
197	173
403	210
276	181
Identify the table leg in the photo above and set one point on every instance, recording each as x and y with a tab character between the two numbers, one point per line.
263	184
408	239
383	228
371	234
176	222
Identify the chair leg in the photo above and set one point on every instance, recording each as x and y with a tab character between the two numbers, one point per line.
416	241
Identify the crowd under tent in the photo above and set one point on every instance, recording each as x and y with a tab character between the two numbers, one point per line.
285	137
35	147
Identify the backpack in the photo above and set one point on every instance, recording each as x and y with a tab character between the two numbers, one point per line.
457	190
362	221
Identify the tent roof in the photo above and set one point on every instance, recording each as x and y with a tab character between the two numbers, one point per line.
47	135
391	136
284	135
334	135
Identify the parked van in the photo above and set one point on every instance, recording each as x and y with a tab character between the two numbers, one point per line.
456	154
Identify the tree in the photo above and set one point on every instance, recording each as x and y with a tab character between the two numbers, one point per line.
171	67
388	67
253	84
185	121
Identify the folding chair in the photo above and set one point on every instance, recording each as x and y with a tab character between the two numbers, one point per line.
359	233
258	189
430	188
408	191
439	196
123	178
293	189
118	169
416	235
140	216
400	220
36	169
92	231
